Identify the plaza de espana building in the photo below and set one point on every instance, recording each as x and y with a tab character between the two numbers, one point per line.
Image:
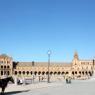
77	69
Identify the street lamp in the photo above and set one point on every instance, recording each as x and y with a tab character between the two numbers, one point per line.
33	63
93	64
49	53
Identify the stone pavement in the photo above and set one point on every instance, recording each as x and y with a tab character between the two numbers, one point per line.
84	87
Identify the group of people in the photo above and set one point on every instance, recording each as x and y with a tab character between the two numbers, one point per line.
68	80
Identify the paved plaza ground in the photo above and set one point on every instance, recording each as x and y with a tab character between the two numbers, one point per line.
77	87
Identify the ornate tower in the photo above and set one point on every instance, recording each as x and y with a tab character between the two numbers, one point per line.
76	59
76	55
5	65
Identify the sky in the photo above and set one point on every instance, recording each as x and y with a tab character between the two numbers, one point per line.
29	28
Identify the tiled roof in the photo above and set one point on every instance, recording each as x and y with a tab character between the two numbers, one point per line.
43	64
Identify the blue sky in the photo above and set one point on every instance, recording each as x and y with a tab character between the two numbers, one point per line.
28	28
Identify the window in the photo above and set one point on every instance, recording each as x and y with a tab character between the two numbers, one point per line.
67	72
39	73
20	72
8	62
31	72
75	72
59	73
43	73
62	73
23	72
1	66
8	73
47	73
79	72
4	67
27	72
35	72
55	73
51	73
83	72
15	72
8	67
1	72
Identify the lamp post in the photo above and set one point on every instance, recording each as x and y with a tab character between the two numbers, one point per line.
49	53
93	64
33	70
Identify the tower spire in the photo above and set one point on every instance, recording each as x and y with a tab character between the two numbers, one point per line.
76	55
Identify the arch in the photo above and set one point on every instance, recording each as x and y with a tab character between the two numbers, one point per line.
31	72
59	73
8	72
51	73
23	72
67	72
90	73
27	72
73	72
15	72
19	72
43	73
55	73
63	73
79	72
86	73
83	72
4	67
35	72
1	72
76	72
1	66
47	73
39	73
8	66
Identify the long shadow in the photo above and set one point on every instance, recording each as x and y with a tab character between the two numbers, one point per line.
14	92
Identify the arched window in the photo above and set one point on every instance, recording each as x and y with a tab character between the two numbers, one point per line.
4	67
7	61
24	72
83	72
59	73
8	67
39	73
27	72
62	73
47	73
43	73
20	72
73	72
8	72
1	72
1	67
79	72
35	72
90	73
31	72
55	73
67	72
15	72
86	73
51	73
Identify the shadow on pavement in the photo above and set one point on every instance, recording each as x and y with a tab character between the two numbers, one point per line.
15	92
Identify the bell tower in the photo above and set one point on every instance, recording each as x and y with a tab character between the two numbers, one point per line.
76	59
76	55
